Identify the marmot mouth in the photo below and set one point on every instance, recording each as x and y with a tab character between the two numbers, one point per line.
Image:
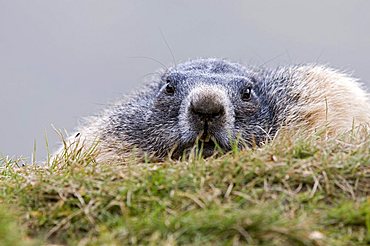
204	145
203	142
204	135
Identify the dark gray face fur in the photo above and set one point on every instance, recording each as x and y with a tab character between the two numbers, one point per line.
207	102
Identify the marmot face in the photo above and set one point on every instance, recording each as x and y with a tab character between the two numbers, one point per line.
210	103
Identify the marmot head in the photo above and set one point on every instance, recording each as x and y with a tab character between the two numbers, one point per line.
216	104
209	102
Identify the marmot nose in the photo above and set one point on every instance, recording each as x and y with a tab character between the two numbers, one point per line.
207	109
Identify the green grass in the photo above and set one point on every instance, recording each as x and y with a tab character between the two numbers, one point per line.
292	191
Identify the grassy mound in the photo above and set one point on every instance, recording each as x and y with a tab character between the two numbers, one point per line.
292	191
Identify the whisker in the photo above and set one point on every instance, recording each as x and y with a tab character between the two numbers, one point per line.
264	131
274	58
168	46
150	58
148	74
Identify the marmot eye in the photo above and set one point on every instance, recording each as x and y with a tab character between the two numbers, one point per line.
170	89
246	94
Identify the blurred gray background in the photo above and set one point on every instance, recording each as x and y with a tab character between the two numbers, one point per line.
62	60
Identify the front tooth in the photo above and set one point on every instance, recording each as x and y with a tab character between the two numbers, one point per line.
199	137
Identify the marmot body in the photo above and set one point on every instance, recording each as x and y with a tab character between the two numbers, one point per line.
215	102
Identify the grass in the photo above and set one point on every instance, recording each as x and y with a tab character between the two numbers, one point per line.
292	191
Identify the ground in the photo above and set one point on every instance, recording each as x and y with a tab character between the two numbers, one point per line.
294	190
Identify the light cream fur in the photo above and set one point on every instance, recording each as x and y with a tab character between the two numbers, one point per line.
329	98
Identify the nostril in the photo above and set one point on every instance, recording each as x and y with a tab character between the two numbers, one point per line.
207	110
219	113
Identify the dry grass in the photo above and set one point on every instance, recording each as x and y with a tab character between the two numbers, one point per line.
292	191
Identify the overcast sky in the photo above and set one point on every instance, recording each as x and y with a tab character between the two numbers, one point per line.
62	60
